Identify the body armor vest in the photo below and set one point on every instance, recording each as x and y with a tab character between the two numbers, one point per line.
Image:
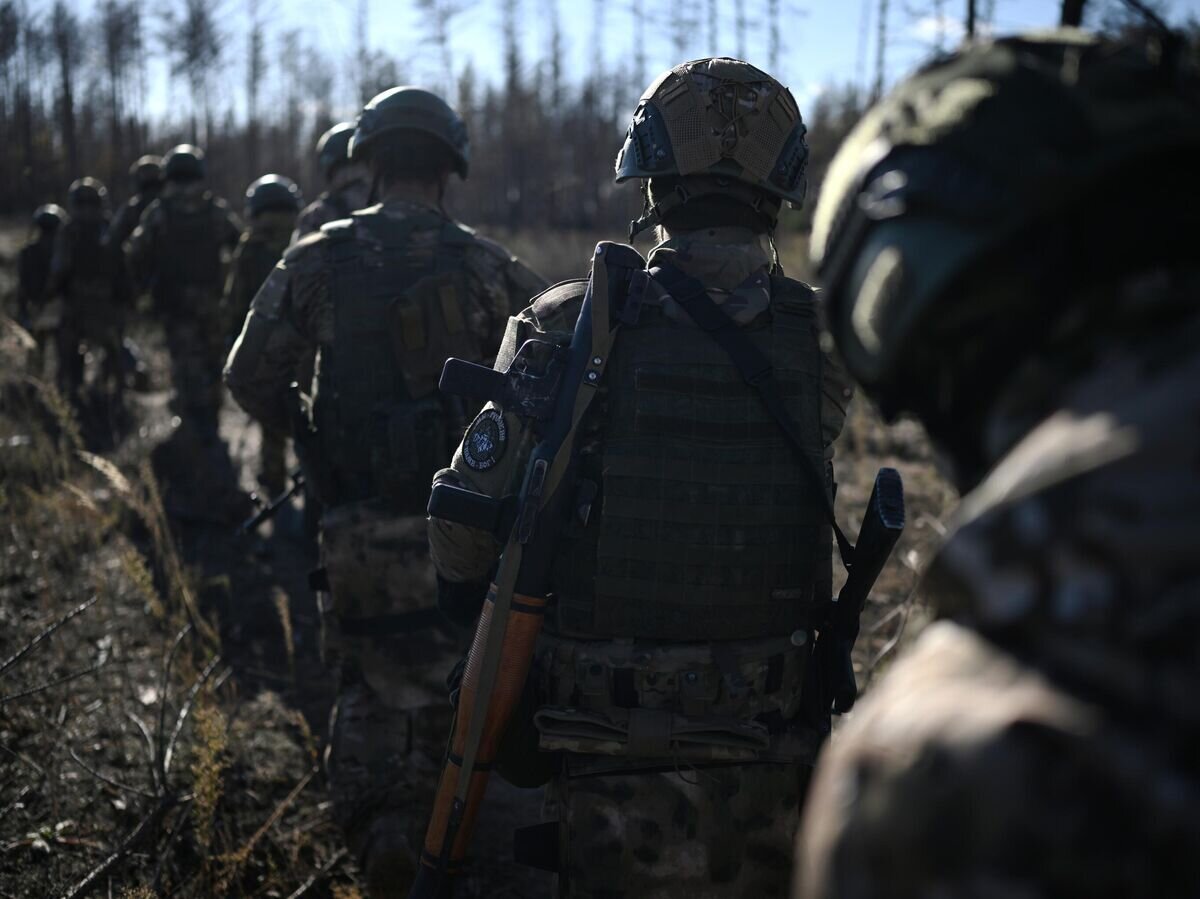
94	266
190	247
399	311
708	527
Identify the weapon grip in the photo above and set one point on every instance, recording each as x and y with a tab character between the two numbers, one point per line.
468	379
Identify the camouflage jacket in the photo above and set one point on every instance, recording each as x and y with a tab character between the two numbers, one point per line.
727	260
127	218
293	313
342	198
261	246
147	261
33	276
1053	715
86	272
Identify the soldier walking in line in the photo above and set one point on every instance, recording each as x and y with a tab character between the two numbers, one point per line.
177	253
1009	244
383	297
147	178
692	551
92	283
33	277
272	204
345	178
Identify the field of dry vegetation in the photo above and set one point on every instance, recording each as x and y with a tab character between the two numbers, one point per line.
162	700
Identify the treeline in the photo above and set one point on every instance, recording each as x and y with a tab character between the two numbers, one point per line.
74	87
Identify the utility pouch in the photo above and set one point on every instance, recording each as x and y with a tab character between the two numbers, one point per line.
430	324
406	445
650	734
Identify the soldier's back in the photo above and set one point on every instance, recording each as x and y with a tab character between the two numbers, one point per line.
1043	740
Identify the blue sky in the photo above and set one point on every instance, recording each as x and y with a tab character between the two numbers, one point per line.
823	41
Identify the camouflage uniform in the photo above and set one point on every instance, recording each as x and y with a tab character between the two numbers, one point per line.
33	277
176	251
347	192
1041	739
90	278
391	715
700	827
147	177
261	246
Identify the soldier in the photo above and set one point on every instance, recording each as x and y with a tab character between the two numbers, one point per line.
1009	244
272	204
383	297
91	281
176	252
146	175
346	181
695	556
33	275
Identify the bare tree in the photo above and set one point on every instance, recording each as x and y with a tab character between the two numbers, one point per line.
193	39
437	21
119	38
66	40
880	50
256	71
740	25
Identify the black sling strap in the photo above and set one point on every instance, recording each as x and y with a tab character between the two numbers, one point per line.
755	369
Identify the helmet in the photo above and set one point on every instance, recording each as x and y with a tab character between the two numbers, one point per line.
184	163
333	149
728	126
86	193
1000	160
49	217
412	110
273	192
147	172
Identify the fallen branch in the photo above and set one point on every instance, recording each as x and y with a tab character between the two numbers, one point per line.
318	874
184	710
47	632
108	780
42	688
93	877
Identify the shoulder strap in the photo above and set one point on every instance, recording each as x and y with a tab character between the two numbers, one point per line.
755	369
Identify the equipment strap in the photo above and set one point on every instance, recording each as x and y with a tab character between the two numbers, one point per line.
755	369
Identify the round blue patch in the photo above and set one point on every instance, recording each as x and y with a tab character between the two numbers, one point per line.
486	440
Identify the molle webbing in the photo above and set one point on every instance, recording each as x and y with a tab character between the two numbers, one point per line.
190	247
708	526
397	295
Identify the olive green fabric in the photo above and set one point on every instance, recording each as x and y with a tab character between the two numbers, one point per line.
705	526
398	315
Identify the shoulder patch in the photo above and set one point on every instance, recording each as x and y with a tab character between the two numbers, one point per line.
486	440
339	229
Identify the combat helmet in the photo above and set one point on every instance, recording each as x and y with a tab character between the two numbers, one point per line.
86	193
147	172
1001	162
412	110
273	192
723	127
333	149
184	162
49	217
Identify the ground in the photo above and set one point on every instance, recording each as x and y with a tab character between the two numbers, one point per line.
163	701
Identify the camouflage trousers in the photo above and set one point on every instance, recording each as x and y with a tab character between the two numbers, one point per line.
966	773
694	833
196	358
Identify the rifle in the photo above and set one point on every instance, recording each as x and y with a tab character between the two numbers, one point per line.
881	529
502	650
274	505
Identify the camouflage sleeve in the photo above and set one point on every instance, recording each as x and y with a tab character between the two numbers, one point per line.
234	303
280	331
229	224
505	283
491	458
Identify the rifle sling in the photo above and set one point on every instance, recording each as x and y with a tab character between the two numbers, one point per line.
506	577
755	369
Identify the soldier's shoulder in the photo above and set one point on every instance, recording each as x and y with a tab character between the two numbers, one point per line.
311	251
154	212
556	308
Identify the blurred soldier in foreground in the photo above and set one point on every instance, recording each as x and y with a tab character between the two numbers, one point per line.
177	253
346	181
146	175
691	556
33	276
91	281
1009	241
272	204
383	297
